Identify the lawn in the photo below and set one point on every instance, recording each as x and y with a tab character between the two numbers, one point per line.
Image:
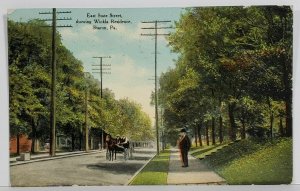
206	150
155	172
250	162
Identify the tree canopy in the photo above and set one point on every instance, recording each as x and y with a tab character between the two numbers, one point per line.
235	65
29	56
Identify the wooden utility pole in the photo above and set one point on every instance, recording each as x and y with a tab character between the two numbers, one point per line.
53	90
155	68
86	121
100	71
53	76
86	117
163	130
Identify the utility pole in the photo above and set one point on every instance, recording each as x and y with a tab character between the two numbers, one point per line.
100	71
86	121
86	75
162	129
53	77
155	68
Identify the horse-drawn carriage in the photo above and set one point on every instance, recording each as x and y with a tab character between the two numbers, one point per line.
116	145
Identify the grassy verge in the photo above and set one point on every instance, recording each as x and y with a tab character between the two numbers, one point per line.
206	150
250	162
155	172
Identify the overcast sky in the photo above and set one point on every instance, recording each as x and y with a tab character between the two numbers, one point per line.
132	55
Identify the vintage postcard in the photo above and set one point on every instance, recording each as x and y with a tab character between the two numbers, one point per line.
150	96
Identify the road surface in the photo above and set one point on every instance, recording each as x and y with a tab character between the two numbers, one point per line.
86	170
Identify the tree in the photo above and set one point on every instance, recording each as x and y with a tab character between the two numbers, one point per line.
27	99
238	57
29	66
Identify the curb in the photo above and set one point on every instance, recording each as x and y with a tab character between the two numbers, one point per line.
53	158
137	172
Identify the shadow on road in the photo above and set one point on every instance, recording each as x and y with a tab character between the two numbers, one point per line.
100	157
116	168
141	158
144	152
120	166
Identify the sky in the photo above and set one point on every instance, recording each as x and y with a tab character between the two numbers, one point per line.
132	55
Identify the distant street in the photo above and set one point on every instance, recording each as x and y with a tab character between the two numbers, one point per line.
83	170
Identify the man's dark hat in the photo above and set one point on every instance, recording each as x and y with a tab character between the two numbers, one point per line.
183	130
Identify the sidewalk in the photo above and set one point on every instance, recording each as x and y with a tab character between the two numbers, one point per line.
45	156
196	173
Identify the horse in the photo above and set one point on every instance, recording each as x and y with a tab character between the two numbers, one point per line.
110	147
113	146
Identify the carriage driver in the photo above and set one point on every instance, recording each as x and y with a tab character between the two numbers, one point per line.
122	142
125	142
118	138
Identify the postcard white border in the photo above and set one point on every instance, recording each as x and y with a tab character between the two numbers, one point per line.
4	131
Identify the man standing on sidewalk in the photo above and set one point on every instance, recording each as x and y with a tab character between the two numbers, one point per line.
184	147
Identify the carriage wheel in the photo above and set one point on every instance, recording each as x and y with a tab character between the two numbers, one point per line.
125	154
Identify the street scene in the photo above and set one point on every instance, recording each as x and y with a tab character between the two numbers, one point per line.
150	96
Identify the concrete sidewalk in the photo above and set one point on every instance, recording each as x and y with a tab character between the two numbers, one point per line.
196	173
45	156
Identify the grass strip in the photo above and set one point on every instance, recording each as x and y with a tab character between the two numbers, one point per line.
201	152
155	172
250	162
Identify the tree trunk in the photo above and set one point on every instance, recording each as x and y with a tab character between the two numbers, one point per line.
18	143
207	135
163	141
232	127
73	141
221	129
287	70
102	140
281	129
80	141
199	134
289	118
213	134
243	133
92	142
33	138
220	122
195	132
271	124
271	117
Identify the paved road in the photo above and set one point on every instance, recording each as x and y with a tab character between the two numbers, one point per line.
92	170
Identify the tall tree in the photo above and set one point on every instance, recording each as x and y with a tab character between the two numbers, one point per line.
237	55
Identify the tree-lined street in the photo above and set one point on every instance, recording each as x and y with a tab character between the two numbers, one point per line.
228	88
